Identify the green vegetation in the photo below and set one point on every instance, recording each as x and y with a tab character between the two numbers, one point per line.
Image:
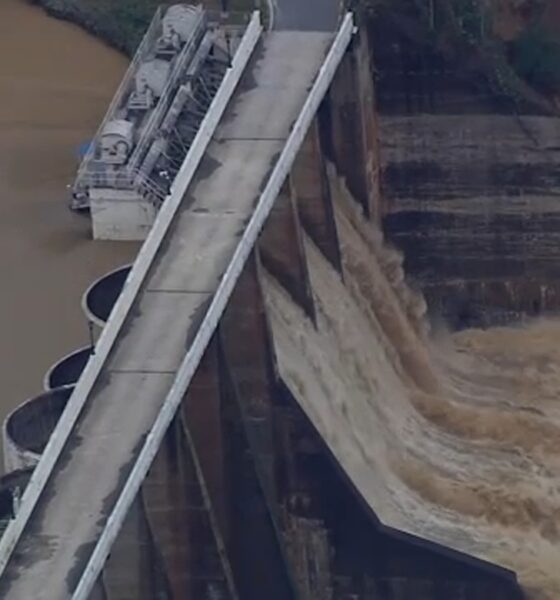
121	23
462	27
125	20
525	70
535	55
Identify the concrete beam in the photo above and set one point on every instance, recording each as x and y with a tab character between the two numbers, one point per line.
134	569
350	125
181	521
282	250
201	411
258	556
311	188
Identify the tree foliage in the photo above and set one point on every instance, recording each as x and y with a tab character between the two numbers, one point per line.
535	55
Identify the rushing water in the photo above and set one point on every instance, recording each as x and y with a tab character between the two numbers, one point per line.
55	84
454	437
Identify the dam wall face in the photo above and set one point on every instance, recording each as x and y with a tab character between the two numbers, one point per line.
469	175
280	476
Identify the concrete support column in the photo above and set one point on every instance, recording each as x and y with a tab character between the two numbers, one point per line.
181	521
133	570
201	412
98	592
349	124
308	543
311	188
248	367
282	250
370	126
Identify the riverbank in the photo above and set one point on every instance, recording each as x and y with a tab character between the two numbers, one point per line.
120	24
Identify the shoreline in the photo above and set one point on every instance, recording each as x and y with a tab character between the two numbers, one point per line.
121	28
54	95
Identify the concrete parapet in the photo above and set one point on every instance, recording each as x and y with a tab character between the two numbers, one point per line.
102	294
68	369
28	428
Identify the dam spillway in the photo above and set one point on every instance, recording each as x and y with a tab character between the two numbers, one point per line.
382	462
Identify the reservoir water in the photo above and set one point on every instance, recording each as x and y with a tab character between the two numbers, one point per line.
55	84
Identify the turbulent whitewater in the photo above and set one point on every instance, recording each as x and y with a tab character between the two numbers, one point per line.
453	437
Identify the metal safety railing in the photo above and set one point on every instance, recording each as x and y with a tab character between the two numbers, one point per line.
132	286
152	34
90	176
157	114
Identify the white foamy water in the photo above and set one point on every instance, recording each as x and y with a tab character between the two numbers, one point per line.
455	438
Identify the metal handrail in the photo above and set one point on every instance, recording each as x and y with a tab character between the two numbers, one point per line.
234	19
145	181
156	115
147	42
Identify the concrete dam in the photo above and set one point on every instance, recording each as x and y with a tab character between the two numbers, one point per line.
269	412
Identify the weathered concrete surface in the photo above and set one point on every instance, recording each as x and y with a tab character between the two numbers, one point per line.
347	372
349	127
307	15
281	249
82	490
470	179
312	191
473	203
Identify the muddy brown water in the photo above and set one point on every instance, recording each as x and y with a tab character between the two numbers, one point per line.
454	437
55	84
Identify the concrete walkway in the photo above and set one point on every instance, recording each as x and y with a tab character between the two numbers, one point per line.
306	15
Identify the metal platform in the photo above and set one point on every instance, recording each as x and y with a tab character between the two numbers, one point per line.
153	120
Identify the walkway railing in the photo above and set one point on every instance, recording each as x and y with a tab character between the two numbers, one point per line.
153	32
